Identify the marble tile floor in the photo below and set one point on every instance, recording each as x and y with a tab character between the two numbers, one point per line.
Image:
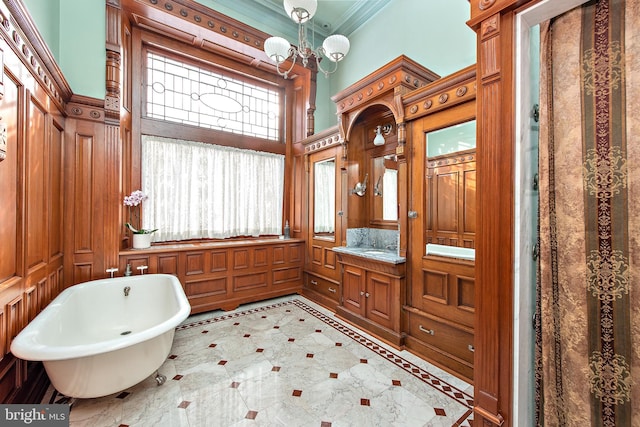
282	362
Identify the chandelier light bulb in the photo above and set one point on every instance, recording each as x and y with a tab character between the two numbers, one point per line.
300	10
277	48
336	47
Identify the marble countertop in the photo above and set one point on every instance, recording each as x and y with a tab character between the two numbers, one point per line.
371	253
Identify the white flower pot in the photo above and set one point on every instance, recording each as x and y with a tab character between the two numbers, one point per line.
141	241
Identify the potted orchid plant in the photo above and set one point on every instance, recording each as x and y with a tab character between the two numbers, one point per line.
141	236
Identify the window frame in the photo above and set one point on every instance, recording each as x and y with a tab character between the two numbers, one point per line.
141	41
144	40
205	65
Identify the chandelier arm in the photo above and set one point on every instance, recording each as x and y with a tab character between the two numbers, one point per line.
325	72
293	54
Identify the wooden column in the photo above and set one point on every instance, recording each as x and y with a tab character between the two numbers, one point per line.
493	20
113	134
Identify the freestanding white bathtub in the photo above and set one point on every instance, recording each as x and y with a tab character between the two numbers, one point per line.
94	340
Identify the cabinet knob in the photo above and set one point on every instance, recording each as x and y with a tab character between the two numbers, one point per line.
313	282
333	291
361	293
366	294
471	348
426	331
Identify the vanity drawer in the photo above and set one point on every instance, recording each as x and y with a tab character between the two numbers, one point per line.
323	286
443	336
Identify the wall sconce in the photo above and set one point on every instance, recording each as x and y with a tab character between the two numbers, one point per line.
381	132
379	139
360	187
376	189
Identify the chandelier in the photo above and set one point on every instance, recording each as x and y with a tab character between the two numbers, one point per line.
334	47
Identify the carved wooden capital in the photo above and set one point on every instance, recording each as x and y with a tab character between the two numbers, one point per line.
490	26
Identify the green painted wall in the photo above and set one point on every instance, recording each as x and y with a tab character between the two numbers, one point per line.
46	15
74	31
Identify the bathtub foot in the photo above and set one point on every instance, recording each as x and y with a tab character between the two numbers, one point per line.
160	379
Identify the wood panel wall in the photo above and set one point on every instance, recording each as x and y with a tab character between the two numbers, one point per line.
225	274
89	159
32	119
451	188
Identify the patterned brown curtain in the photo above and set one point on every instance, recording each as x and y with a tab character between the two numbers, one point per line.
588	313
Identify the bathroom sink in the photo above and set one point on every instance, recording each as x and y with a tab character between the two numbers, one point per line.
373	252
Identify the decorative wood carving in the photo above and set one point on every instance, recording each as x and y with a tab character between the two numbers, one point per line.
485	4
208	29
383	86
21	34
85	108
328	137
446	92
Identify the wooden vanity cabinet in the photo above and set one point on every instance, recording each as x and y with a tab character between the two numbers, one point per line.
371	296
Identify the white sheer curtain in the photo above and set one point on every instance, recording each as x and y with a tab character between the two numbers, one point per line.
199	190
324	204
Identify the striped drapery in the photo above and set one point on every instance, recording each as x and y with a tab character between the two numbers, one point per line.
588	324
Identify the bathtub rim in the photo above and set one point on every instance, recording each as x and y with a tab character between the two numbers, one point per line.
27	346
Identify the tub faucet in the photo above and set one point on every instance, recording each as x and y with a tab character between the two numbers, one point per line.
111	271
126	290
142	268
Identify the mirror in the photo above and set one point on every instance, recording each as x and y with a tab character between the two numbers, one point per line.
451	139
450	187
385	189
324	199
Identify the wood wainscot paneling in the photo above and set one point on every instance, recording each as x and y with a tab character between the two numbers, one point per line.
32	117
88	202
223	275
441	314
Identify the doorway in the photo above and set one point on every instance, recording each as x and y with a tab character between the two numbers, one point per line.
526	201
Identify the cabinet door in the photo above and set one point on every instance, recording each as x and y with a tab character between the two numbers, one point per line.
380	299
353	289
